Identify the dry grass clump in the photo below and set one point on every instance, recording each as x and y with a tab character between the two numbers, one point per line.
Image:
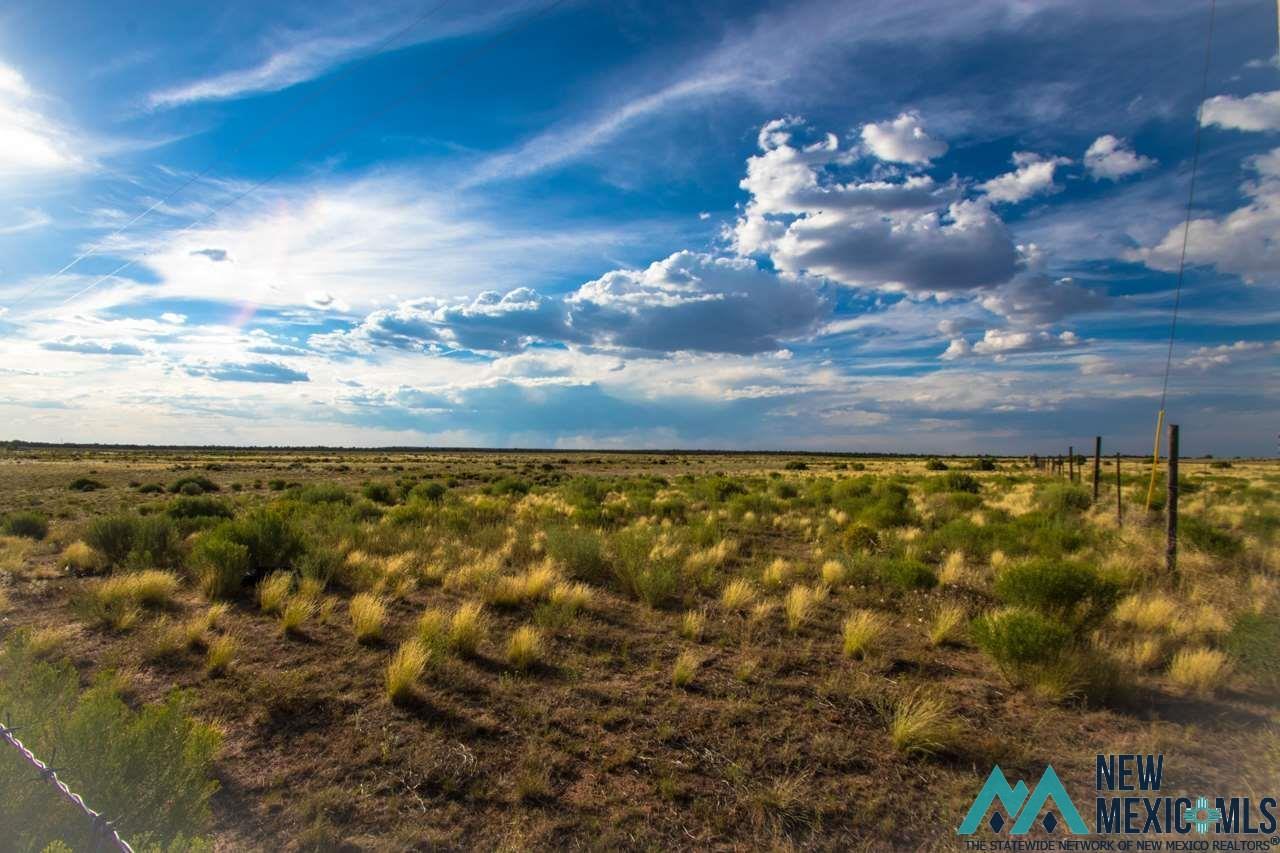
738	595
861	633
433	629
273	590
921	724
833	573
80	557
777	573
195	629
404	671
467	628
13	552
1145	654
45	642
711	558
117	601
368	613
220	655
693	624
1201	671
525	648
1149	612
570	597
954	570
948	624
296	611
531	585
685	667
798	606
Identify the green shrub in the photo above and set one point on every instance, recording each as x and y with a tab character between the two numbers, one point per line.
220	565
273	541
155	542
32	525
324	493
1069	591
983	463
907	574
1019	639
198	507
84	484
954	481
150	769
508	486
430	492
150	488
112	536
1204	536
580	551
936	465
796	465
1063	499
200	482
859	537
383	493
640	573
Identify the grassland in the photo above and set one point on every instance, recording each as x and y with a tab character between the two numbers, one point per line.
320	650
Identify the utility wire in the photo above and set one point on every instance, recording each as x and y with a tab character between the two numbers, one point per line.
1191	195
262	132
338	137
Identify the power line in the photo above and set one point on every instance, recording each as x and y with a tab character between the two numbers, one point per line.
1191	196
262	131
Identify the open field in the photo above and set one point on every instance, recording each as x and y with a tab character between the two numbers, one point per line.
646	650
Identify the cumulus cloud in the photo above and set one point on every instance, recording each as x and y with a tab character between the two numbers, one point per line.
688	301
1033	176
909	235
1000	343
1256	112
1241	242
74	343
1205	358
1109	158
902	140
250	371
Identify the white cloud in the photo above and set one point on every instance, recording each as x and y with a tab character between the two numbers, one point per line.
902	140
1033	176
907	235
1003	342
1241	242
1259	111
1205	358
30	142
28	220
1110	158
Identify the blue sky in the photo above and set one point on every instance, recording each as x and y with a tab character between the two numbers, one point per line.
871	226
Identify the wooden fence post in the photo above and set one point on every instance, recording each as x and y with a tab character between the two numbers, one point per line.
1119	495
1071	464
1097	465
1171	505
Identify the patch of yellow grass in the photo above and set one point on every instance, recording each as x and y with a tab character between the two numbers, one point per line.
467	628
404	670
433	629
220	655
954	570
368	613
13	552
525	647
79	557
738	595
861	633
693	624
833	573
685	667
296	611
1150	612
1201	671
44	642
711	558
570	597
948	624
273	590
530	585
776	574
1144	654
921	724
798	606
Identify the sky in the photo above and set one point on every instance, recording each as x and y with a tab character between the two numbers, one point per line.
864	226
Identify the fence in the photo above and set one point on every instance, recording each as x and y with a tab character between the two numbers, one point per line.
103	831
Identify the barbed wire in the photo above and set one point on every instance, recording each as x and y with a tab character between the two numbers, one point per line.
103	830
